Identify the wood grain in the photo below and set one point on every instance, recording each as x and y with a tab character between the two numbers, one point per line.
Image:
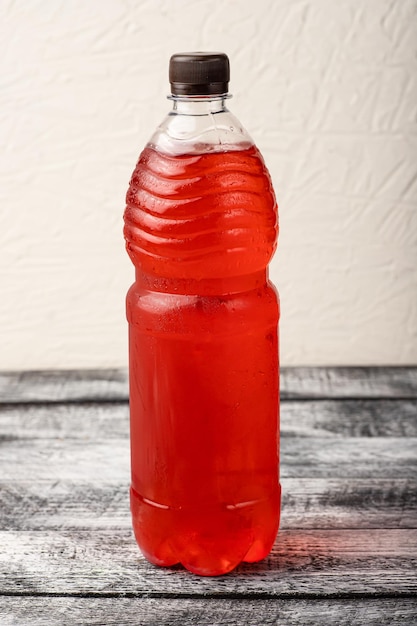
311	562
300	382
306	503
64	385
108	460
310	418
346	552
349	382
40	611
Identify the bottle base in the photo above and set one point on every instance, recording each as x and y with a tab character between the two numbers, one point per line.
206	540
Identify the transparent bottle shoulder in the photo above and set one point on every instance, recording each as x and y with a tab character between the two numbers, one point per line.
214	131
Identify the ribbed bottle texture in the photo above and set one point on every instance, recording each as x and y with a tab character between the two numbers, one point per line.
201	216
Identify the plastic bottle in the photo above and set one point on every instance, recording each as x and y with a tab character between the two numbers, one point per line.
200	228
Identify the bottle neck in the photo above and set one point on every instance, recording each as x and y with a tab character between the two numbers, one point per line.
199	124
199	105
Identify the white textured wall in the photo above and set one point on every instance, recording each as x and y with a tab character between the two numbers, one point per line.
327	88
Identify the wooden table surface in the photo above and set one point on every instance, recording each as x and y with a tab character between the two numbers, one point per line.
347	548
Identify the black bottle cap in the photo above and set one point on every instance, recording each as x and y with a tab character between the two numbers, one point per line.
199	73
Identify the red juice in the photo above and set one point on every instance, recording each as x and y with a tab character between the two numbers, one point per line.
201	230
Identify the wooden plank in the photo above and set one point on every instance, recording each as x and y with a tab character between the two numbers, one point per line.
349	418
42	611
64	385
296	382
83	421
40	505
329	418
65	459
348	503
303	562
376	457
349	382
108	459
306	503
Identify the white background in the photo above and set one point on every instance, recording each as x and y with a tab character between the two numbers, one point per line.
328	90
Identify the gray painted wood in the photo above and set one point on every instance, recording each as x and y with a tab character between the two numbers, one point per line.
330	418
313	562
24	611
346	551
301	382
83	421
350	382
108	460
307	503
64	385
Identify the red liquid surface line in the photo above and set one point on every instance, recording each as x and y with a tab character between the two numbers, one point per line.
203	365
